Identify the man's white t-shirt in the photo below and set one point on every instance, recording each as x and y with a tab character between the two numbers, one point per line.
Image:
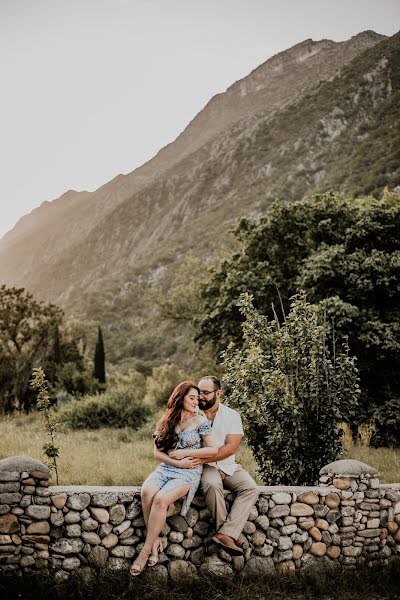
226	421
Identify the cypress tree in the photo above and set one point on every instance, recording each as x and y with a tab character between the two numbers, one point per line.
99	359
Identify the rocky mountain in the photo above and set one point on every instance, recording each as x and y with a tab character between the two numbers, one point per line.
316	116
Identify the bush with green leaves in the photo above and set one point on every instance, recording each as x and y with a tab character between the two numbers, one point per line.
119	407
345	253
161	383
291	390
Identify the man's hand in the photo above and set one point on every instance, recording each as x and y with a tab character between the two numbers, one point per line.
189	463
178	454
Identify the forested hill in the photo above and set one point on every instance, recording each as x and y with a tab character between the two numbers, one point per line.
318	118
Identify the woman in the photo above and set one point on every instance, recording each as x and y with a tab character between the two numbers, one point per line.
186	436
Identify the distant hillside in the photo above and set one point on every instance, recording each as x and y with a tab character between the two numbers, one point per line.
317	116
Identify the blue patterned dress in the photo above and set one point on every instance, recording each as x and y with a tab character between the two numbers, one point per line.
167	477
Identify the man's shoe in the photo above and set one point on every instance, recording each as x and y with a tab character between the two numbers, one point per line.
228	544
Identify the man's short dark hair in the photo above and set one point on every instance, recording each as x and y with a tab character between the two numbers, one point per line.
216	382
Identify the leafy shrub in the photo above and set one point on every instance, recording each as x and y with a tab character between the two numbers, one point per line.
291	392
119	407
161	384
387	422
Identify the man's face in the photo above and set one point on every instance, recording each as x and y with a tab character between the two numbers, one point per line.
208	394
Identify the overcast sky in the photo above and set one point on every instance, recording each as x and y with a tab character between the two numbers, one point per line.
94	88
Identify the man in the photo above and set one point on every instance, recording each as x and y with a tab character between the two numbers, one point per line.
224	472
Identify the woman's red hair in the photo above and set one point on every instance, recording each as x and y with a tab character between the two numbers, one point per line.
166	436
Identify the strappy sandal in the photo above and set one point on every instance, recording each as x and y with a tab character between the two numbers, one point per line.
136	567
157	547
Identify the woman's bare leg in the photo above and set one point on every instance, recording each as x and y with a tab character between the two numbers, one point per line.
156	520
148	491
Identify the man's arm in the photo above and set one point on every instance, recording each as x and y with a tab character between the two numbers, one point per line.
232	441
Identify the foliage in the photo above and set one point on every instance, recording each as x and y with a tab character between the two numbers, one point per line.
346	255
99	359
291	391
40	384
26	338
119	407
388	418
161	383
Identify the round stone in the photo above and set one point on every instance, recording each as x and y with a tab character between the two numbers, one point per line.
332	500
216	566
285	543
72	517
258	538
308	498
117	514
100	514
298	509
259	565
38	512
110	540
342	483
90	537
287	566
59	500
176	551
89	524
249	527
306	523
333	552
318	549
9	523
71	563
315	533
68	546
297	551
281	498
78	501
180	570
176	537
262	522
41	527
98	557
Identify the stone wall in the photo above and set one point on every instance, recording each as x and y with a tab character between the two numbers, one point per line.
349	518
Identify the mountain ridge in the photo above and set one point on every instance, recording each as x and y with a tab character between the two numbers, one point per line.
264	156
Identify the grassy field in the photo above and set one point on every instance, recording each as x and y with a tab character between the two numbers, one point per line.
125	457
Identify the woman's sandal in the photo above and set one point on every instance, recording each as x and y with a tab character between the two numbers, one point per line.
157	547
137	568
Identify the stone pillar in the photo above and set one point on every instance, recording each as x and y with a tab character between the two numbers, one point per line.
24	514
364	510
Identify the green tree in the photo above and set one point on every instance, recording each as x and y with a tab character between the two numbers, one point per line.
345	254
291	391
26	336
99	359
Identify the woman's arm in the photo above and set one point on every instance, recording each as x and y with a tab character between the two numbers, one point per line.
209	451
182	462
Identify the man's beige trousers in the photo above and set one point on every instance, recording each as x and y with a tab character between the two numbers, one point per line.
213	482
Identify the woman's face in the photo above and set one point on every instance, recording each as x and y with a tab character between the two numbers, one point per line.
191	400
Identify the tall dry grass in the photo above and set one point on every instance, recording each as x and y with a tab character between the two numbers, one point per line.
125	457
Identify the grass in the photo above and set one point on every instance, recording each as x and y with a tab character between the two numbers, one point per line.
375	583
125	457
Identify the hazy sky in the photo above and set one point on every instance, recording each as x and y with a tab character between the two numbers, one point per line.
93	88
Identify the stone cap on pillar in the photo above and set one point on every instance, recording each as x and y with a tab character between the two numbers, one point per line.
24	464
348	468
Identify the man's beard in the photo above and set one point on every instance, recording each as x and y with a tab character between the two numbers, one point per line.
206	404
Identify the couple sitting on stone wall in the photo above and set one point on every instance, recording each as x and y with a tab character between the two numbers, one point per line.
196	448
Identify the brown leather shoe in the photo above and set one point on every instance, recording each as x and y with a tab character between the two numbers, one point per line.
228	544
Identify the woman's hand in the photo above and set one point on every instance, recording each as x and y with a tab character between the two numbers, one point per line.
178	454
188	463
